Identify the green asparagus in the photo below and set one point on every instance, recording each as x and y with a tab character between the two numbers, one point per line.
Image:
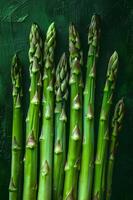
116	125
33	118
87	162
47	132
74	149
103	125
15	191
61	92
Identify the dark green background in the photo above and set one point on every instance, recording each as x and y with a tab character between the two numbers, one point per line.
16	18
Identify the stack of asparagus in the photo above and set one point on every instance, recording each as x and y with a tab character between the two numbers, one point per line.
60	171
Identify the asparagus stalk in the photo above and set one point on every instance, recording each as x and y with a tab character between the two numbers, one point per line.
87	162
116	126
104	173
61	92
15	191
75	138
31	150
103	125
47	132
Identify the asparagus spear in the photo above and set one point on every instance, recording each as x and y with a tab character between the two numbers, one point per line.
15	191
61	92
116	126
104	173
47	133
103	125
87	162
75	138
30	161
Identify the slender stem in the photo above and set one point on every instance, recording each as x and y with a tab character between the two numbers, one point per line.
103	125
104	173
47	132
75	137
87	162
33	117
116	126
15	187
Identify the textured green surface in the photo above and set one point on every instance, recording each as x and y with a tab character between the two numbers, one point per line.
117	34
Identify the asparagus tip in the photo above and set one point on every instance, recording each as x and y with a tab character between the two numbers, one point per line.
14	59
115	55
34	27
112	66
61	79
119	113
72	31
50	40
51	28
64	55
15	68
114	58
94	34
52	25
63	60
120	107
95	21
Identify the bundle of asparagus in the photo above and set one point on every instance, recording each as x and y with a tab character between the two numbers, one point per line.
66	172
